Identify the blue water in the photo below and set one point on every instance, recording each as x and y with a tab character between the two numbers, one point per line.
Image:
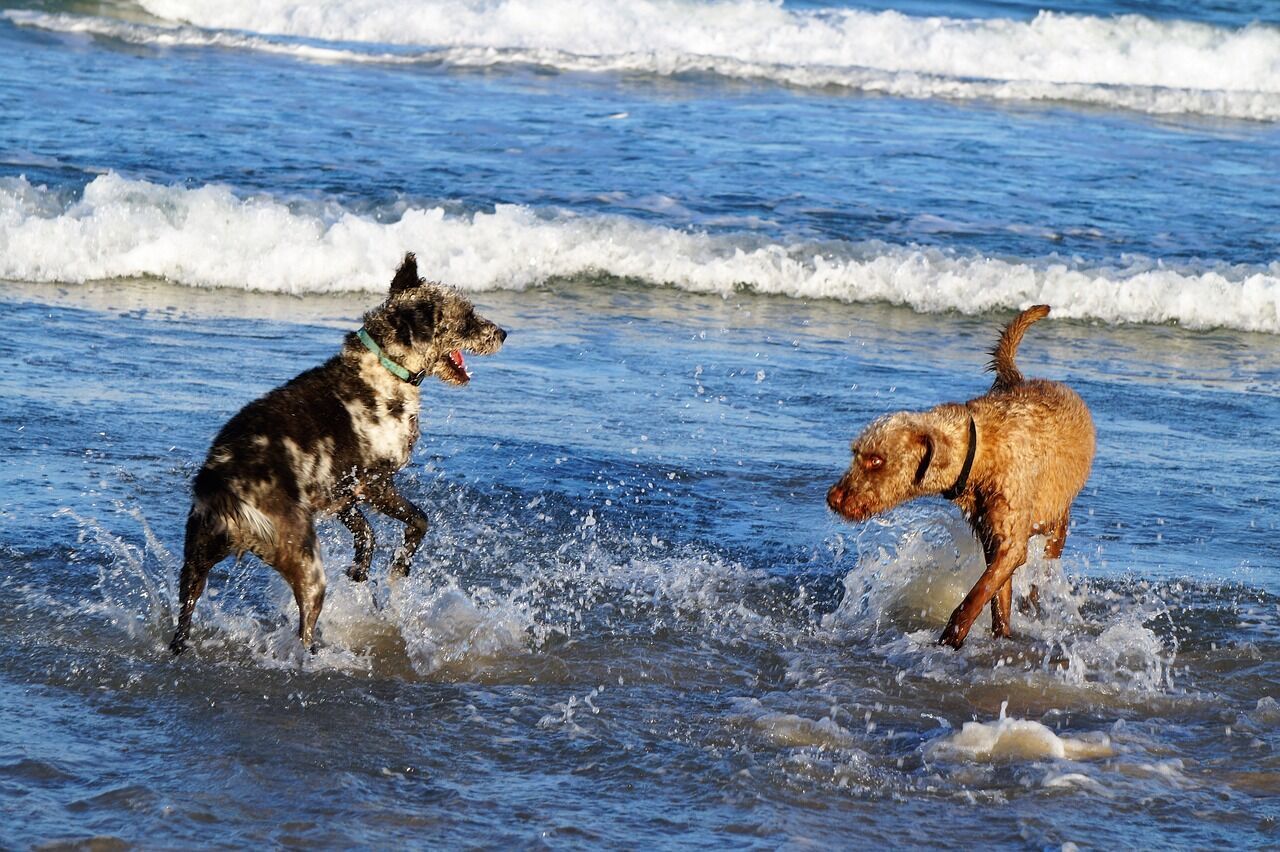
634	619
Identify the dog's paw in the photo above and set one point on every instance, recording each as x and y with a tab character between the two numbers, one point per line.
951	636
178	645
357	573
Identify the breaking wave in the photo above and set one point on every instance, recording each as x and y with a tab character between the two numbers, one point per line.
1126	61
210	237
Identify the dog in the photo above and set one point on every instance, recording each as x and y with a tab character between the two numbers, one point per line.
1013	460
326	441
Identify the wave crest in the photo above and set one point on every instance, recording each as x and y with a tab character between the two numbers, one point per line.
210	237
1127	61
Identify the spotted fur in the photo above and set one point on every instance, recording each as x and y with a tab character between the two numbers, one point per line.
325	442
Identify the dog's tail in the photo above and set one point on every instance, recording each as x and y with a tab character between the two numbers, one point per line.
1002	363
229	512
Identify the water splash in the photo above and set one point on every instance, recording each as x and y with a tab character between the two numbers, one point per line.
905	584
1016	739
450	619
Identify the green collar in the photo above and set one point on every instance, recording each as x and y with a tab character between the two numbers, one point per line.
393	368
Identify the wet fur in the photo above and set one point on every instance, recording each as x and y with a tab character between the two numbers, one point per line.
1034	450
325	442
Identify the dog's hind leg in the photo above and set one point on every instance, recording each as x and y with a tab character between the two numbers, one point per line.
297	558
1002	603
353	519
1001	606
1055	540
205	547
309	593
1056	536
384	497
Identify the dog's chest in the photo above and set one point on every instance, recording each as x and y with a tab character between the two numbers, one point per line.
387	433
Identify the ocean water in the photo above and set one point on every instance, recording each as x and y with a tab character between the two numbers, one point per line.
723	236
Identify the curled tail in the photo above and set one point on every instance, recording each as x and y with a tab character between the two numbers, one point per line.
1002	364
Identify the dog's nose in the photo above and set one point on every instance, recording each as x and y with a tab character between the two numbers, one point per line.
502	335
835	497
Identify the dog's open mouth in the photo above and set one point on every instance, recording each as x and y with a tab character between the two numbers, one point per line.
458	367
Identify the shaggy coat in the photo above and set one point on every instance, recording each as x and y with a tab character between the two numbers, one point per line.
328	440
1013	460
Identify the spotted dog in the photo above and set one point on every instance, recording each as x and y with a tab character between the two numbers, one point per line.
1013	460
327	441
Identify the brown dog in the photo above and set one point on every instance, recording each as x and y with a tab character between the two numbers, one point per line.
326	441
1012	460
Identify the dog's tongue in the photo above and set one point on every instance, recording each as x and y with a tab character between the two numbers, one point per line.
456	356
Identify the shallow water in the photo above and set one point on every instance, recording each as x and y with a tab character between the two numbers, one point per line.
723	238
639	625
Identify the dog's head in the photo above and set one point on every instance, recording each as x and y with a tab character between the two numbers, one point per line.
428	327
898	458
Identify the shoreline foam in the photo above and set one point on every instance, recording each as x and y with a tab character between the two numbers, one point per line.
1125	62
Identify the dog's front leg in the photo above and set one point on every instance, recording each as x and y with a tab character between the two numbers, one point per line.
384	497
362	534
1009	553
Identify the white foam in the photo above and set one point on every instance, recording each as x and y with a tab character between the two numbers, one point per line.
912	583
1007	739
431	624
788	729
1127	61
445	627
189	36
1070	780
1266	714
1125	653
439	626
912	574
566	713
210	237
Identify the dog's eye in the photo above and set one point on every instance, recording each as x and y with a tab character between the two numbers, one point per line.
870	461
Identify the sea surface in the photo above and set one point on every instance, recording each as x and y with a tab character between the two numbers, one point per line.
723	237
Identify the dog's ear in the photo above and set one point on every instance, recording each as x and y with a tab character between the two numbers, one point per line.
923	468
406	275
